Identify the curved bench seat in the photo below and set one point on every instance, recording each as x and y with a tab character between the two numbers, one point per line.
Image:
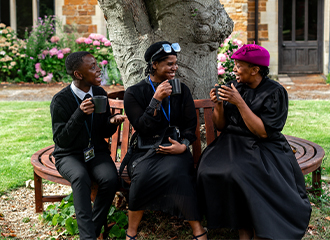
308	154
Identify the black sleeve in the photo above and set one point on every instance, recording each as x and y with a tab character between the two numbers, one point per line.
275	111
65	125
141	117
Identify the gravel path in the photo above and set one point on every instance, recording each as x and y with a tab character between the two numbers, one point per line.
17	213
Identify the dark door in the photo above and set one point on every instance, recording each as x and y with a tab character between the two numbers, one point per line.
300	36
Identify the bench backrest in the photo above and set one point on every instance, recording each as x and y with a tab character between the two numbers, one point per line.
119	141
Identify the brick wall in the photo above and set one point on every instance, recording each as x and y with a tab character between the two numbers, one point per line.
262	28
243	14
238	11
80	13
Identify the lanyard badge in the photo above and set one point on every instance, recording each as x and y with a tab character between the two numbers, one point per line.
89	153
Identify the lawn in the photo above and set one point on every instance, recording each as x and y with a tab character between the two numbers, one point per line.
25	128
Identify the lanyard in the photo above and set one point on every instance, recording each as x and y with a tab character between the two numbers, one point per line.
89	132
169	105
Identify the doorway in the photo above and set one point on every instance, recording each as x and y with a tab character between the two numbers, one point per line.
300	36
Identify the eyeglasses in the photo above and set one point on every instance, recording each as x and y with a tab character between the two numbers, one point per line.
167	48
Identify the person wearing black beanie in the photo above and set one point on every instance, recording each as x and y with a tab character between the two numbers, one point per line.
163	180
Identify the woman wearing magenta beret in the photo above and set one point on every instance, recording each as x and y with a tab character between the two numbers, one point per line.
249	178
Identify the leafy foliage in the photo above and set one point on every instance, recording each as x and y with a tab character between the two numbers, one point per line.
120	219
62	216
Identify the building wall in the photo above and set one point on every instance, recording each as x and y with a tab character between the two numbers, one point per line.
86	15
238	11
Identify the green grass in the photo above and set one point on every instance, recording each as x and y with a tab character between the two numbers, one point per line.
25	128
310	119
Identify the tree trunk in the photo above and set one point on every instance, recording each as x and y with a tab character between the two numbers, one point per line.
199	26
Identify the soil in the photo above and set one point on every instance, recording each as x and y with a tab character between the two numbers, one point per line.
298	87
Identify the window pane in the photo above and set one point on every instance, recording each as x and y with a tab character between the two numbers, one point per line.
300	20
5	10
287	20
312	20
46	8
24	16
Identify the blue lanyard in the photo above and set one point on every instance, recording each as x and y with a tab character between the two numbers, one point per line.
89	132
169	105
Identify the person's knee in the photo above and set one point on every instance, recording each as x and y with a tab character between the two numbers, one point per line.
109	180
80	177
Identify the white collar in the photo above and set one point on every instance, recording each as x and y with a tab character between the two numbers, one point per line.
81	94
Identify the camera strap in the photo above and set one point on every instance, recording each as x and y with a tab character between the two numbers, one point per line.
169	104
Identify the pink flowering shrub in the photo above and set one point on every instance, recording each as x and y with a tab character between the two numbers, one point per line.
225	63
12	53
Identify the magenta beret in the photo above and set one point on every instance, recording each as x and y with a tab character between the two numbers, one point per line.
252	53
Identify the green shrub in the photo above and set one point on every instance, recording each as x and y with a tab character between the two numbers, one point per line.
46	51
62	217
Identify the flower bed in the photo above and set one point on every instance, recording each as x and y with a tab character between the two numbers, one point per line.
40	58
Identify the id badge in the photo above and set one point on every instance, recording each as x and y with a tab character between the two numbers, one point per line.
89	153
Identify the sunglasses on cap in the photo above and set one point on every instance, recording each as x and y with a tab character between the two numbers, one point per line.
167	48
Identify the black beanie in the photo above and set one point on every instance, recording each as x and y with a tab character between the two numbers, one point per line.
154	48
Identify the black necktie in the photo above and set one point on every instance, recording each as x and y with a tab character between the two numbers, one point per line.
87	96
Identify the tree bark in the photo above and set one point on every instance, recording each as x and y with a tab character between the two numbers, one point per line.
199	26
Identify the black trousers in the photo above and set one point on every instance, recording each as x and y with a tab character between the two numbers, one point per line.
102	170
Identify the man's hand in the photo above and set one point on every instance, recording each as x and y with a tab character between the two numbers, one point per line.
118	119
87	106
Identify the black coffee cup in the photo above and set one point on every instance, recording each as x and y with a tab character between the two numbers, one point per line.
176	86
100	103
217	92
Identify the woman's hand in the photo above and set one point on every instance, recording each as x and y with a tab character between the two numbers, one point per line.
213	95
175	148
87	106
117	119
230	94
163	90
252	121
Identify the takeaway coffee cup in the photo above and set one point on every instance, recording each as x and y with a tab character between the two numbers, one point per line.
217	92
176	86
100	103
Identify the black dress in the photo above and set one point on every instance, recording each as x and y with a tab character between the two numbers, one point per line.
249	182
162	182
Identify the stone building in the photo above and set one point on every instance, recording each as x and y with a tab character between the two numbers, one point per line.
296	32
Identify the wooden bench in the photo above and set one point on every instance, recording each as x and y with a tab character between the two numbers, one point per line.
309	155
